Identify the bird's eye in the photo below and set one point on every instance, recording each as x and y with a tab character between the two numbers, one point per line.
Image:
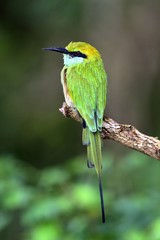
77	54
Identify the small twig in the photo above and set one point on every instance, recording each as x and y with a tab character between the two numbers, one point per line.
122	133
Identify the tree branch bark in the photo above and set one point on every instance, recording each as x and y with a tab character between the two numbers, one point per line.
122	133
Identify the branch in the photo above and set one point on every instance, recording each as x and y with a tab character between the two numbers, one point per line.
122	133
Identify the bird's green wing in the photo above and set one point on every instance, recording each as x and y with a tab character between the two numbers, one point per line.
86	87
101	99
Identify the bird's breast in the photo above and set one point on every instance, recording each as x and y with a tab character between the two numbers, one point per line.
65	88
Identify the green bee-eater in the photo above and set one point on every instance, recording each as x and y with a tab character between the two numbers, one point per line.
84	83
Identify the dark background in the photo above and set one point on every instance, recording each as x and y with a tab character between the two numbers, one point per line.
46	191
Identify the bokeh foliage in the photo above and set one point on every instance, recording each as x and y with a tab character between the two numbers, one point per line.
63	202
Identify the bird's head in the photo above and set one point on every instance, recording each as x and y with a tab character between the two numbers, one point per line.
76	53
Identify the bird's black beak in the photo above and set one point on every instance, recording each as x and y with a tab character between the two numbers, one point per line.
55	49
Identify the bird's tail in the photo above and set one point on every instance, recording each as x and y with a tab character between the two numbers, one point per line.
94	154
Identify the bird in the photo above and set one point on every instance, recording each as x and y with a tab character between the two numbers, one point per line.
84	82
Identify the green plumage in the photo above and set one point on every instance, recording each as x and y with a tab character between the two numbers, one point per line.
88	91
94	153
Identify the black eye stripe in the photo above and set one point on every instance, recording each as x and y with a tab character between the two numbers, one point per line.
77	54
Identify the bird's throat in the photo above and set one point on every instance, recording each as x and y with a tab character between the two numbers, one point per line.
70	61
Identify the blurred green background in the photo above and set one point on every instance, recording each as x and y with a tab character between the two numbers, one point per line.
46	190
